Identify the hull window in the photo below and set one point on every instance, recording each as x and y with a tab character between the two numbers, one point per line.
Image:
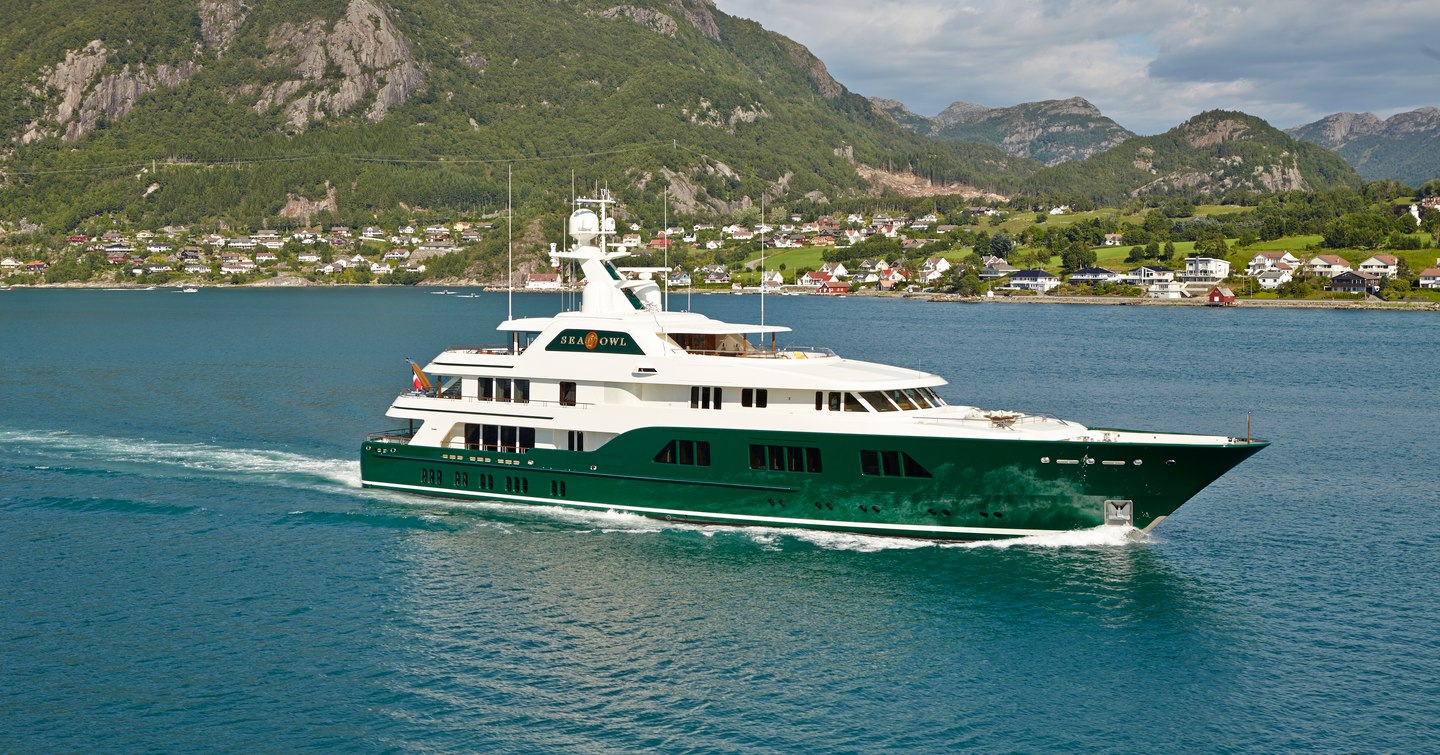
785	458
694	453
890	464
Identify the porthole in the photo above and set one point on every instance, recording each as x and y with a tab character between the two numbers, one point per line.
984	513
818	505
946	512
1138	462
1169	462
999	515
932	512
1044	459
863	507
830	506
875	509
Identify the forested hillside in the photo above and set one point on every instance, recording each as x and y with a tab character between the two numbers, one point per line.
173	111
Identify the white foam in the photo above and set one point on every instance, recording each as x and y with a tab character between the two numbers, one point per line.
203	458
1104	536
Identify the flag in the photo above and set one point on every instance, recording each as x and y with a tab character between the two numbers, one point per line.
420	382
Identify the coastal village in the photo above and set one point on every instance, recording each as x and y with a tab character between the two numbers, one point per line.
933	258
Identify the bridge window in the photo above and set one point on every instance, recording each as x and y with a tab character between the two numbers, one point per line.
756	397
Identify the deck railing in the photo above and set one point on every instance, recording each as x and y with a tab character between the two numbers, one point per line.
401	435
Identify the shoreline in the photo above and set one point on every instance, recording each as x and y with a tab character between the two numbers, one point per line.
491	287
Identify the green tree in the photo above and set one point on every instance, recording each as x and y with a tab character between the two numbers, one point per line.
1001	244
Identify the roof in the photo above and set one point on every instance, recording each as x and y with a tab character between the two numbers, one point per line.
1388	259
1033	274
1430	272
1333	259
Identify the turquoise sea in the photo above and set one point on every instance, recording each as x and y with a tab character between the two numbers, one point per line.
188	564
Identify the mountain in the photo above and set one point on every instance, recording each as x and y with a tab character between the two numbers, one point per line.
1404	147
174	111
1210	154
1051	131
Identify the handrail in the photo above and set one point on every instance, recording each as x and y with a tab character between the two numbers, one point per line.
493	349
527	402
399	435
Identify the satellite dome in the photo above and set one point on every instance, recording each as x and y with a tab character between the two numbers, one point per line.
584	225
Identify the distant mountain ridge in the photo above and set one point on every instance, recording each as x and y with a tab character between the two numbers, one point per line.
1212	153
1404	147
1050	131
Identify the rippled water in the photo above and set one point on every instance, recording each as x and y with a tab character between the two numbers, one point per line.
189	563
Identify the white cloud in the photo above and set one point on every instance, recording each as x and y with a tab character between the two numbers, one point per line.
1149	64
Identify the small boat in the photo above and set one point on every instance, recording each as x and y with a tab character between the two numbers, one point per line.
446	292
189	290
467	296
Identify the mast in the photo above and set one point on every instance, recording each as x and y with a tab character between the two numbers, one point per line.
509	244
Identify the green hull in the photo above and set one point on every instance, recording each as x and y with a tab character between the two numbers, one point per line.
976	489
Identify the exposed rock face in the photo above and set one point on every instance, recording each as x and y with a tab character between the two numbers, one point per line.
220	20
1334	131
364	55
705	114
86	95
654	19
1051	131
697	12
302	208
1215	132
910	185
961	112
819	75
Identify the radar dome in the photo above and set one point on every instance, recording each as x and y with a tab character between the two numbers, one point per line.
584	225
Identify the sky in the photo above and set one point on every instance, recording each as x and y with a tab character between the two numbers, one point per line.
1148	64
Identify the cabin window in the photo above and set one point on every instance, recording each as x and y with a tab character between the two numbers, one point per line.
785	458
576	440
762	398
487	389
853	404
567	393
502	389
449	387
695	453
819	400
890	464
756	397
472	436
877	400
522	391
506	438
834	401
901	400
700	396
919	398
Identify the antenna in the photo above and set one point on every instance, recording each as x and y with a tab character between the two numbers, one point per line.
665	194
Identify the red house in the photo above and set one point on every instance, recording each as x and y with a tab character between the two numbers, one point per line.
1220	297
834	287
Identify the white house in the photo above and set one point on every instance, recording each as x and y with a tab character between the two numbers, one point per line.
1430	277
542	281
835	269
1166	289
1038	281
1273	279
1114	239
380	268
1093	275
1383	265
814	278
1147	275
1206	270
1328	265
1269	261
935	265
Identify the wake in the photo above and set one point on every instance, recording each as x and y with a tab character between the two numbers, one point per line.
73	452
